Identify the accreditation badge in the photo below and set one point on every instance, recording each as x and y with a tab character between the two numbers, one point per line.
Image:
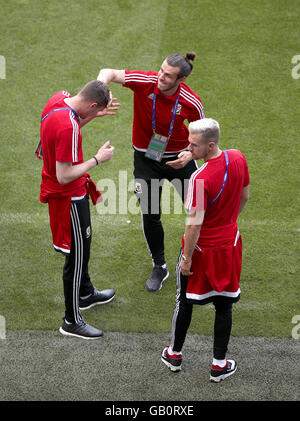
157	147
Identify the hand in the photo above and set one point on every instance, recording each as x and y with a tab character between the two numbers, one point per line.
105	153
185	267
110	109
182	159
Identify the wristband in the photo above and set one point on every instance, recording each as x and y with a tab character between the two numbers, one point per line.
185	259
96	160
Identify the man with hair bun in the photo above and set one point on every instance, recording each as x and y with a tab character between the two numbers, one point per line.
162	103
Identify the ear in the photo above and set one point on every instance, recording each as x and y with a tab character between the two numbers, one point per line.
93	105
182	79
211	145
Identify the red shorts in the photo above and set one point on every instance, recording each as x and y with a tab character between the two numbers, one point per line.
216	273
60	223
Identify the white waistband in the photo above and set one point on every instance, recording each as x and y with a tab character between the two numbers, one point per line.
78	198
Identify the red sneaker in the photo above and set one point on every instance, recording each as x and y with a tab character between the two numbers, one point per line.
220	373
173	362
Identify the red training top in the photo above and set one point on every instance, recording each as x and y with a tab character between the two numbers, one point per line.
144	85
61	139
219	226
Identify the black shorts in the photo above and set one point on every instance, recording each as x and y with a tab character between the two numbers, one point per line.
147	169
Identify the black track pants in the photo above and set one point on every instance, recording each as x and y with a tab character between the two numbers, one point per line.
149	177
76	280
183	315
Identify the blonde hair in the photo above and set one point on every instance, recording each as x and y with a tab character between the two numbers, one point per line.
208	127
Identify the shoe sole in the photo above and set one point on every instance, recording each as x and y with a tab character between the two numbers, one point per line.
65	333
155	290
96	304
222	377
170	366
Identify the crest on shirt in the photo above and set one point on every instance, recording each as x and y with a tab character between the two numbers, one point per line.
151	96
88	232
138	188
179	108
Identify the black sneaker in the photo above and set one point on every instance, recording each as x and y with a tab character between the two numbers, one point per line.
159	274
220	373
173	362
98	297
80	330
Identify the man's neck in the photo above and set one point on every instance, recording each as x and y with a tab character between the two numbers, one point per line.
74	103
71	102
214	154
171	91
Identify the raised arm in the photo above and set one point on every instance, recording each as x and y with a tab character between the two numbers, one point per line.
112	75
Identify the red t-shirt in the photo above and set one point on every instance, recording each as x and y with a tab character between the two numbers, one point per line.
144	85
61	139
220	220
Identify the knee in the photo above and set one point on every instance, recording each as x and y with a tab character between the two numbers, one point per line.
223	307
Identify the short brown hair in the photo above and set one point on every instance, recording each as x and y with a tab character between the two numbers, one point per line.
96	91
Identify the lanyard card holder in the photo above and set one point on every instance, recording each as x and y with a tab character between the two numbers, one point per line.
157	147
158	143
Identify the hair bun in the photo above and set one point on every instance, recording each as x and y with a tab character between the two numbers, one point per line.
190	55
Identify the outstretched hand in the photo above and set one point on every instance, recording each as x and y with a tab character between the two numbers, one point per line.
182	159
111	108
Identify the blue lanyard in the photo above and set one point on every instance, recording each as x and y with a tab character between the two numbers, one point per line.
224	181
173	115
38	150
59	109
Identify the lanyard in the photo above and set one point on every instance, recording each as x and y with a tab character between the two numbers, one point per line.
173	115
38	150
59	109
224	181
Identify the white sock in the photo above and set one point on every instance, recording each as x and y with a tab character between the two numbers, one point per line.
171	352
220	363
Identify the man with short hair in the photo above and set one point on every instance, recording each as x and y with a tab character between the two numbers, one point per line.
162	103
66	186
209	265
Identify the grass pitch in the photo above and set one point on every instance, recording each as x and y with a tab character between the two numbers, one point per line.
242	73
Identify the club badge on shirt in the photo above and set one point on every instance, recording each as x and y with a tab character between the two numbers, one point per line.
88	232
178	110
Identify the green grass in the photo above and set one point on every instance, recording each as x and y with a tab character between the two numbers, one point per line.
243	75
